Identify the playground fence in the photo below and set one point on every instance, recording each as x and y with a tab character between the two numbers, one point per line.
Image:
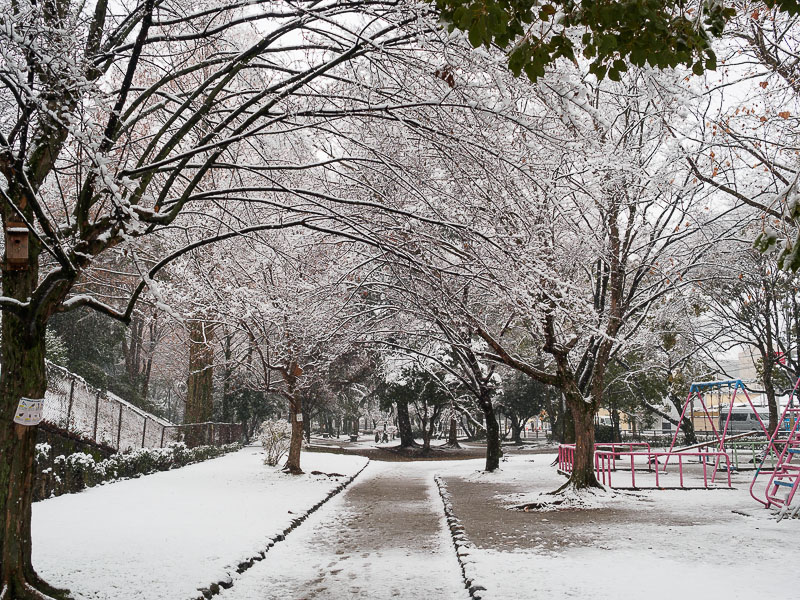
606	463
607	457
73	405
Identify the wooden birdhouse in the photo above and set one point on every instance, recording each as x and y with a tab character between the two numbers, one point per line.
16	246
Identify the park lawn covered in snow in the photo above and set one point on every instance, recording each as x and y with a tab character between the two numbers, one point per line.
167	534
645	544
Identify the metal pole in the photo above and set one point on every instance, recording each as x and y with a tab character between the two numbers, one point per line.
96	413
144	430
71	397
119	427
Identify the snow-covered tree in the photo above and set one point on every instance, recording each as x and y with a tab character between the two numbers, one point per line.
120	118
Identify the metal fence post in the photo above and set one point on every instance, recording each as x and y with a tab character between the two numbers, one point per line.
71	398
119	427
96	414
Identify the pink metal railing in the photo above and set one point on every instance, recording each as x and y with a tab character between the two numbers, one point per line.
566	458
607	456
605	464
612	446
566	452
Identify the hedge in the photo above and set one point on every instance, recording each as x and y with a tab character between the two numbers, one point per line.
75	472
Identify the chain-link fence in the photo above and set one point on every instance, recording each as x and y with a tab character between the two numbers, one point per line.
73	405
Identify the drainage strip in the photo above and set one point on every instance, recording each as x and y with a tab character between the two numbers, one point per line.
215	588
463	546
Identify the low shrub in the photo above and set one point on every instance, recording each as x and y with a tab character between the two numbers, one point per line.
275	436
69	474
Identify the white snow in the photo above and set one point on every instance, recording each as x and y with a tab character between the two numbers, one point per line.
631	545
168	534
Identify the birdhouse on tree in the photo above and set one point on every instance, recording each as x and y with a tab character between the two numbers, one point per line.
16	246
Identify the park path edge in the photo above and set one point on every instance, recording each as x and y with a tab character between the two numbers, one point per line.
216	587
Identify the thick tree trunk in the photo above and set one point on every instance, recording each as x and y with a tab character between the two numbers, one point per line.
200	392
23	376
493	449
516	430
426	433
567	424
583	467
452	437
296	416
404	425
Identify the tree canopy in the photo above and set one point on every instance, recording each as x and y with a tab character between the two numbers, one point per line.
535	33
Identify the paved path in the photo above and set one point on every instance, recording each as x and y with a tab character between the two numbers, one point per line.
384	537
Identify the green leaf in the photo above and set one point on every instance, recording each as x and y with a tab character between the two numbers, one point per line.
711	61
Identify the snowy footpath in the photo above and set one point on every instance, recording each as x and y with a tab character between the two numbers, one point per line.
383	538
165	535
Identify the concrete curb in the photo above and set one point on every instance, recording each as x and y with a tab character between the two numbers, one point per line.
462	545
216	587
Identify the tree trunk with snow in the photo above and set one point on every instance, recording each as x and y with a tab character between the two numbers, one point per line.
296	416
583	466
493	449
200	384
23	376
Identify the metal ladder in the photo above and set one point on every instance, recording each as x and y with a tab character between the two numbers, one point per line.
785	477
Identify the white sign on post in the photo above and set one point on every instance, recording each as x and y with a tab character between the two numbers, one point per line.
29	411
299	417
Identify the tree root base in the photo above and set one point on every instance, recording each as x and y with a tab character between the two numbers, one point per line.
36	589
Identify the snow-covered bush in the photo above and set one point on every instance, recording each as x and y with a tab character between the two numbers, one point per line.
77	471
275	435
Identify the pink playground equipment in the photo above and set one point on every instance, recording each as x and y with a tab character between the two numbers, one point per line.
696	391
700	460
785	476
783	446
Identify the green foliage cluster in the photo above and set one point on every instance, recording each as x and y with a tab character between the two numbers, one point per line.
524	398
535	33
417	386
90	345
75	472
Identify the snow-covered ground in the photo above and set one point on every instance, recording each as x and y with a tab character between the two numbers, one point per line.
631	545
165	535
